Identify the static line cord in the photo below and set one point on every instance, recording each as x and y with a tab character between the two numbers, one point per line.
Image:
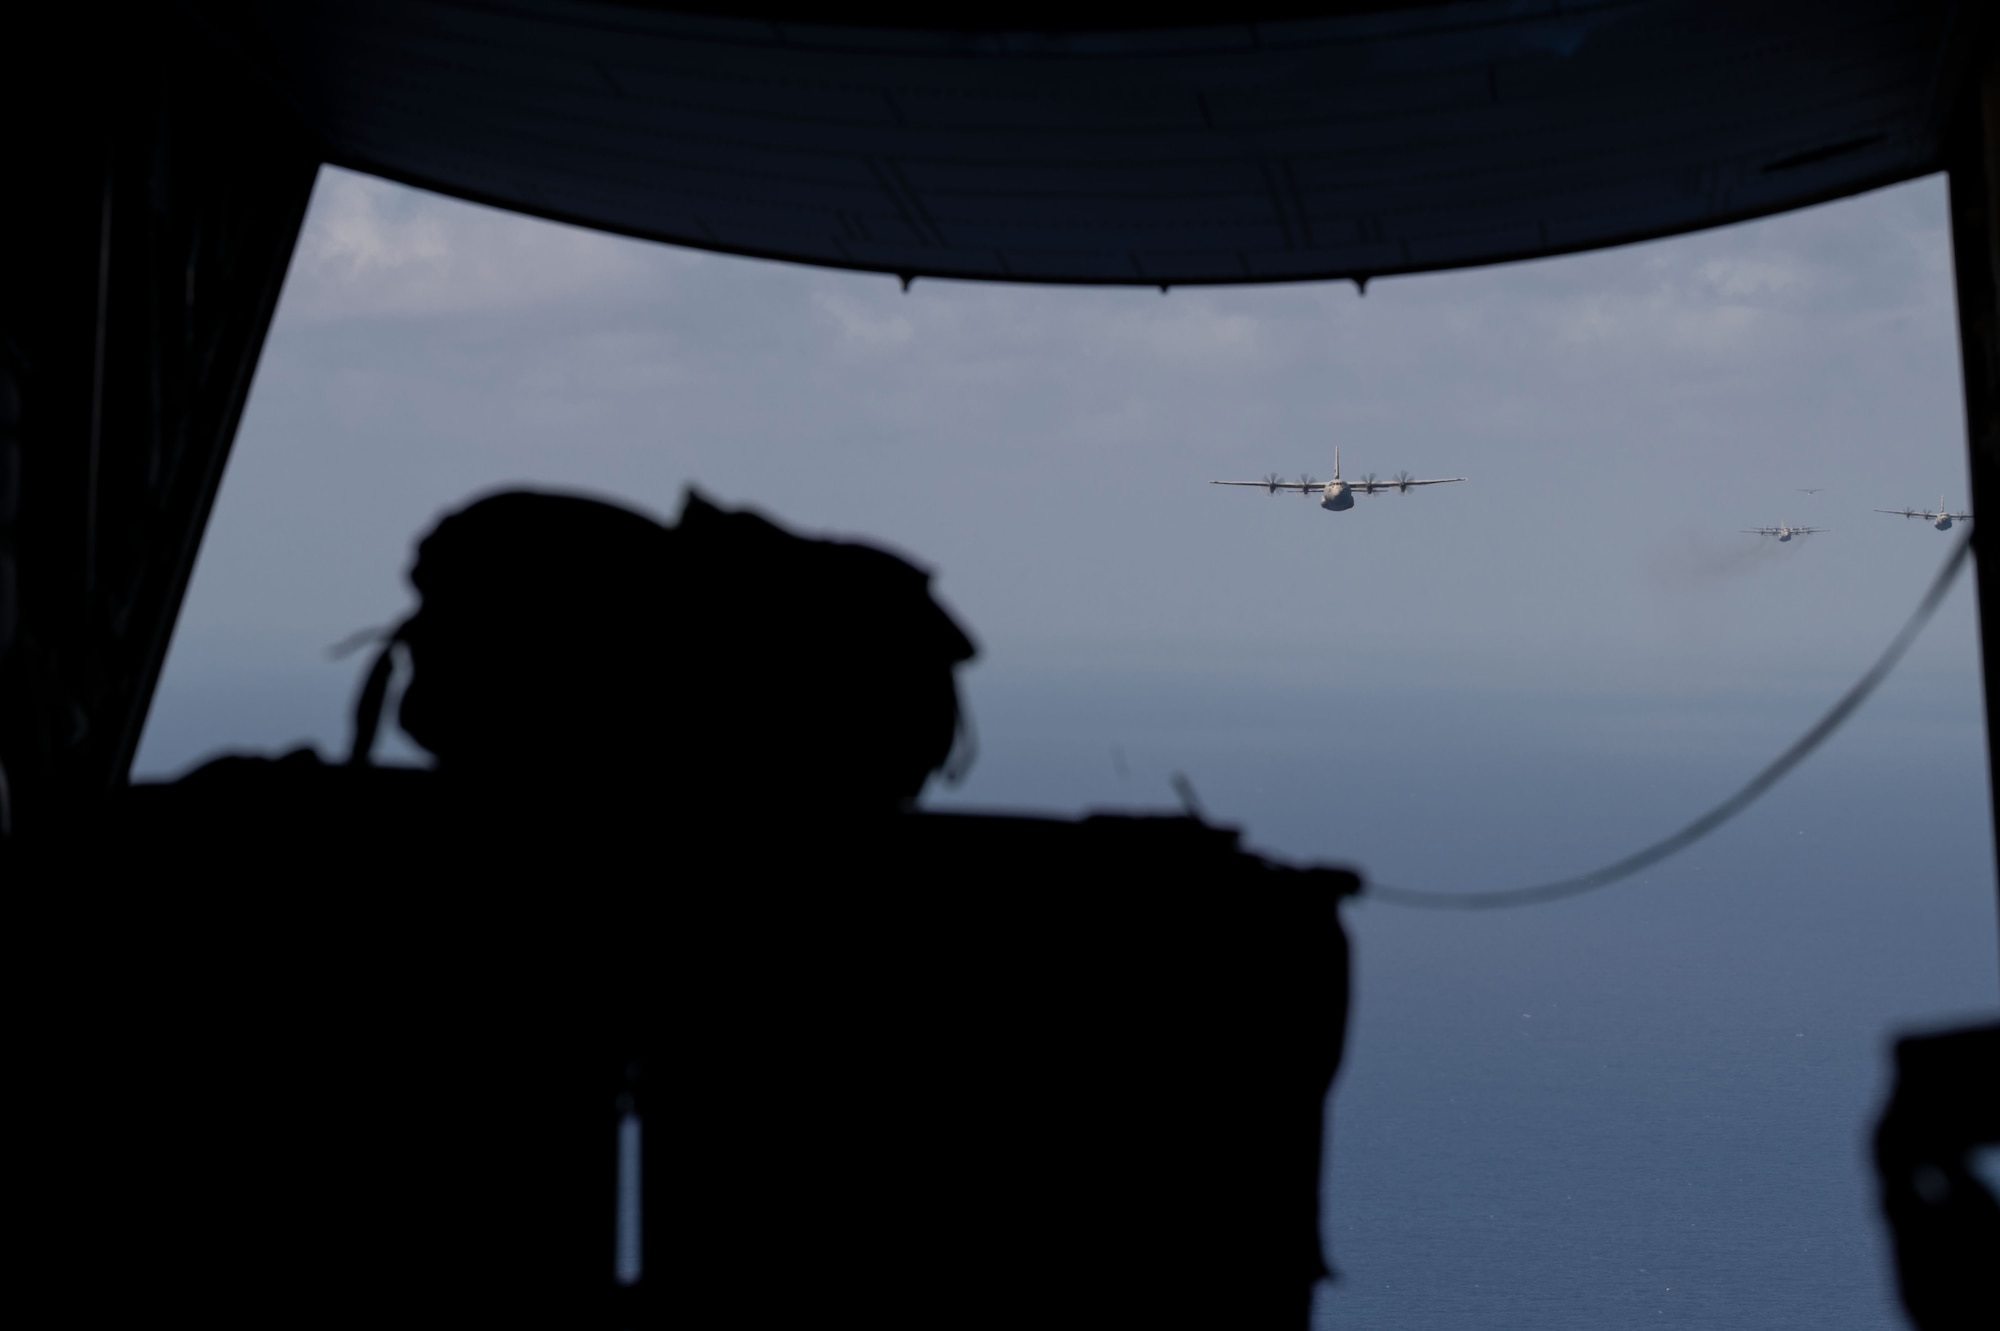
1721	813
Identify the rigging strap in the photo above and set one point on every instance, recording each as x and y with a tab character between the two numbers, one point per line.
1644	859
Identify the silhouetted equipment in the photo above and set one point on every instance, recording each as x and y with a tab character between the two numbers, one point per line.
373	1053
422	998
546	641
876	1058
1946	1223
717	661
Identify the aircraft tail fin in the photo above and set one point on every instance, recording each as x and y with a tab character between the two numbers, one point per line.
1336	465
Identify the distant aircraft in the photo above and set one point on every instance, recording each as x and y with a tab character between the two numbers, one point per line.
1821	489
1337	494
1784	531
1938	518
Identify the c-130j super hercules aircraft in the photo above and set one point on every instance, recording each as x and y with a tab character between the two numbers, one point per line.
1337	494
1784	531
1938	517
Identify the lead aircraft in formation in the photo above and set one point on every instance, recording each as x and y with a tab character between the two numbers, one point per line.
1784	531
1938	518
1337	494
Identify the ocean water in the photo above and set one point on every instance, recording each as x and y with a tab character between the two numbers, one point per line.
1646	1107
1653	1108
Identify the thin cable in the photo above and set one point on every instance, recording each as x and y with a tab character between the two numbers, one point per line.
1721	813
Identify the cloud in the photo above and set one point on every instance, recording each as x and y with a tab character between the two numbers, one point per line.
372	249
861	321
1740	277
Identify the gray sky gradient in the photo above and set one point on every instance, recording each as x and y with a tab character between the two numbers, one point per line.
1621	414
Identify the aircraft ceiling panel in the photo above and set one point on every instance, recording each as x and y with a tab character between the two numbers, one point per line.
1420	136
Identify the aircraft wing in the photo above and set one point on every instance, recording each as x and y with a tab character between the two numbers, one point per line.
1908	512
1370	487
1277	485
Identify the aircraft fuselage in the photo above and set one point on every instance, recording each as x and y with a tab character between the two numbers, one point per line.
1336	496
1942	522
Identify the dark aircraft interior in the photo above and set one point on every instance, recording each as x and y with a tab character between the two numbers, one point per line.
320	1040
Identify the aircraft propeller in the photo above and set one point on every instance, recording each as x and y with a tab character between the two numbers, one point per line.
1403	479
1272	481
1368	482
1306	479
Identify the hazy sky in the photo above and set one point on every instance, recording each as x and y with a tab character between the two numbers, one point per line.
1587	598
1471	686
1045	450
